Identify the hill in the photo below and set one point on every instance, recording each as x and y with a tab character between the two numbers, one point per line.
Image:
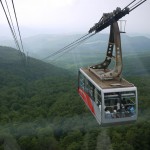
13	61
34	99
41	110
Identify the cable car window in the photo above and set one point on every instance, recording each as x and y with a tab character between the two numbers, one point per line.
129	102
120	104
110	102
81	81
89	88
98	98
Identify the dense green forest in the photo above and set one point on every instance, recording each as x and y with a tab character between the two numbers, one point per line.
41	110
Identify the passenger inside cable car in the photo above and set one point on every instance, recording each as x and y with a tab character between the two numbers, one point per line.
120	104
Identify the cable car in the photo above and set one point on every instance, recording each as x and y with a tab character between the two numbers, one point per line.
111	102
110	98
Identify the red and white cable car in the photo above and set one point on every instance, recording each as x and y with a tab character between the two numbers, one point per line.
110	98
111	102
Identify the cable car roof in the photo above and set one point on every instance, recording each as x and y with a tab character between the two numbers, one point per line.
106	84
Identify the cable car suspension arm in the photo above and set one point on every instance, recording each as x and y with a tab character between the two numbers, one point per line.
114	39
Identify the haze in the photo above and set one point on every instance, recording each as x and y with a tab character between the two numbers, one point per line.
71	16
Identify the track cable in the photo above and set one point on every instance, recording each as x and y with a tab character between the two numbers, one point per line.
13	34
70	46
18	26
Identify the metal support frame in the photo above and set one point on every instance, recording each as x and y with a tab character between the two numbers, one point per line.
103	72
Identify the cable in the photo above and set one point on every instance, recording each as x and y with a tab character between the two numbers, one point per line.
70	45
129	4
64	48
10	19
136	5
73	46
17	25
80	42
11	25
67	47
15	39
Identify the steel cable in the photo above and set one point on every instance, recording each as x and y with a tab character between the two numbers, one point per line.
18	25
73	44
13	34
80	42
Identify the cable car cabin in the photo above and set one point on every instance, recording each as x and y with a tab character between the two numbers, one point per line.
111	102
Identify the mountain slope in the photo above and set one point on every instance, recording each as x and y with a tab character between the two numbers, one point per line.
12	61
41	110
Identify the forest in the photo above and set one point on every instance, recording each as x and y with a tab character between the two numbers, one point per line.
41	110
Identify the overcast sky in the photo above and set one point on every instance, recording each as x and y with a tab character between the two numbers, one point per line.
72	16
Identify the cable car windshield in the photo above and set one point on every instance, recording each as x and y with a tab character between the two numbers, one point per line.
120	104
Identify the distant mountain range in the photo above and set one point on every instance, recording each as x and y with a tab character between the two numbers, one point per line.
136	51
40	46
